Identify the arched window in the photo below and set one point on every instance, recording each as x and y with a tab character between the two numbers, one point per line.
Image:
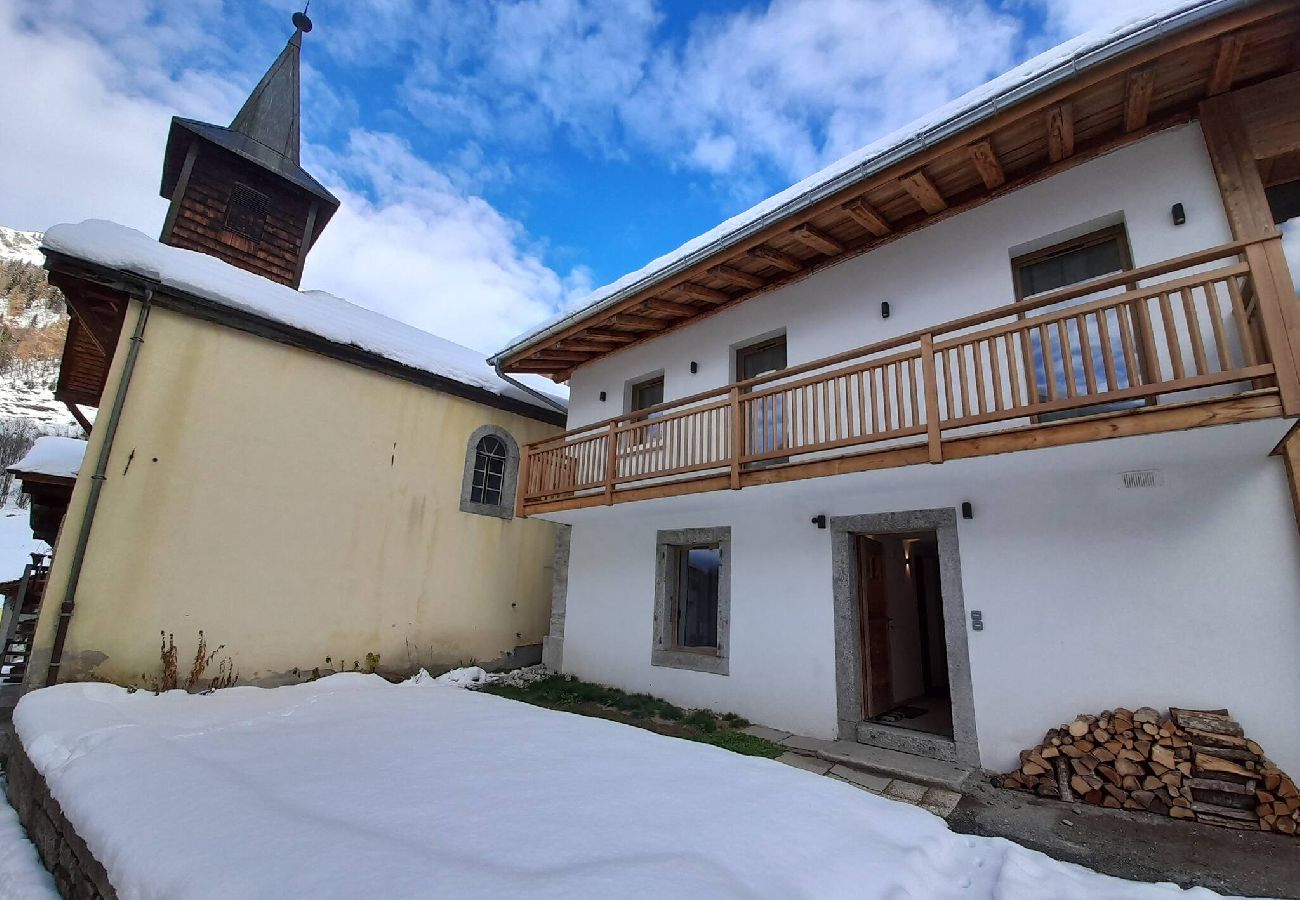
489	471
491	467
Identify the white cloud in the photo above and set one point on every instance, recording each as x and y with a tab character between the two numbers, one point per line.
97	94
1067	18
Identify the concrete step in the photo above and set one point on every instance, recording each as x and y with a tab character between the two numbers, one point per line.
918	743
877	760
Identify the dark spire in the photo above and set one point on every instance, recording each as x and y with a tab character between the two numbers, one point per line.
271	113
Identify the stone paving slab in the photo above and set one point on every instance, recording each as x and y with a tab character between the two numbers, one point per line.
871	782
904	766
767	734
807	763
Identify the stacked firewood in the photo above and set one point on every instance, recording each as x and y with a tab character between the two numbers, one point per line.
1194	764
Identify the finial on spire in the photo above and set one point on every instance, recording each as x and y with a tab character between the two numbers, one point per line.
300	20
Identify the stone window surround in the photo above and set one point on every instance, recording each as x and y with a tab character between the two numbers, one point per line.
848	656
506	509
662	652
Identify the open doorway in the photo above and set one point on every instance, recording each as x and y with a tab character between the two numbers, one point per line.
903	650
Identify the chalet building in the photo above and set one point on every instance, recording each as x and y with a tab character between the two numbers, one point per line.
311	485
987	425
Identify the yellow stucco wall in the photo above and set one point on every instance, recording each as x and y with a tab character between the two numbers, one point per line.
294	508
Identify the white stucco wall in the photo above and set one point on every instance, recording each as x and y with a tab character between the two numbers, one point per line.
950	269
1093	596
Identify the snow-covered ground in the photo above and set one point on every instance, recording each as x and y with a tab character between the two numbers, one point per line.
351	786
22	877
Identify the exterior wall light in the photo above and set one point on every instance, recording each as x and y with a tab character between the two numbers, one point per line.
967	511
695	367
819	521
1179	214
602	396
884	309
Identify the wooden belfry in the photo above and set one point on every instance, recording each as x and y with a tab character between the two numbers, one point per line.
240	193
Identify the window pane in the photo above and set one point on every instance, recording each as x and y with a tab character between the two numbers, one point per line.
647	394
489	471
752	362
698	571
1070	267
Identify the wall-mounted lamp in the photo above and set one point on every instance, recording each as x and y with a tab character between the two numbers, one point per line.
967	511
884	309
819	521
1179	214
602	396
695	367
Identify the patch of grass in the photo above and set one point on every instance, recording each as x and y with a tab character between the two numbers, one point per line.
564	692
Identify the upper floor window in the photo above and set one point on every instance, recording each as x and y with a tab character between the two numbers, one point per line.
246	211
645	394
760	359
491	470
1080	259
765	425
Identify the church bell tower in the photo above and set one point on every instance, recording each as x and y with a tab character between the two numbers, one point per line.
239	193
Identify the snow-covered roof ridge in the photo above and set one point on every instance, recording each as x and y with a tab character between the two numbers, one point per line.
1029	78
338	321
57	457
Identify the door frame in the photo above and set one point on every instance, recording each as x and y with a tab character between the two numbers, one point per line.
849	662
865	598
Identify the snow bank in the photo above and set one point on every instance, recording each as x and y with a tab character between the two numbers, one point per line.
1013	86
58	457
22	877
350	786
333	318
463	677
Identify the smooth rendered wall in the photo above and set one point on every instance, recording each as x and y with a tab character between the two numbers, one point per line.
1093	596
950	269
294	508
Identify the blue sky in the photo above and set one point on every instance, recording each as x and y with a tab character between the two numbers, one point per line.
496	160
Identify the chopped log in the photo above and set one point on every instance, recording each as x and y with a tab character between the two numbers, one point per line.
1219	798
1215	784
1063	779
1146	714
1272	780
1078	728
1118	793
1033	769
1214	721
1079	786
1210	739
1084	744
1264	797
1152	783
1109	773
1224	822
1181	812
1102	754
1111	803
1050	752
1245	815
1150	729
1130	783
1071	751
1207	763
1185	768
1286	825
1164	756
1145	798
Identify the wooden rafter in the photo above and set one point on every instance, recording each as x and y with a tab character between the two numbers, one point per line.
1225	64
604	334
777	258
1137	98
700	292
593	346
736	276
634	321
921	189
985	160
867	216
815	239
670	307
559	356
1060	132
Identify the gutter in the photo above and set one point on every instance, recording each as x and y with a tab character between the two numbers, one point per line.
68	604
548	400
1061	72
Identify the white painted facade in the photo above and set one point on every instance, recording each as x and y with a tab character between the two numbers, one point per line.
1184	594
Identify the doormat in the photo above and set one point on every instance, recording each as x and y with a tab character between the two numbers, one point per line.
899	713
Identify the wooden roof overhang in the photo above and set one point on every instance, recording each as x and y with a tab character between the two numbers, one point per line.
98	296
50	496
1150	88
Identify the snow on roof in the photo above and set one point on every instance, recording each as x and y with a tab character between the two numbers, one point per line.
1030	78
117	247
58	457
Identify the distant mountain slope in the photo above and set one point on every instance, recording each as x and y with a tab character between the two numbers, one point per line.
33	324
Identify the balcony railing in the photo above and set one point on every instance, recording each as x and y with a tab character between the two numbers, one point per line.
1196	329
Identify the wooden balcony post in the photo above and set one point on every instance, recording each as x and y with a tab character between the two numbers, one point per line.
521	490
930	381
1279	317
611	462
737	438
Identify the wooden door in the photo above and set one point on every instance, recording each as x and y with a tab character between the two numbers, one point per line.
873	597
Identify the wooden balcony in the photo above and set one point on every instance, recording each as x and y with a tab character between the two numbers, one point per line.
1203	339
